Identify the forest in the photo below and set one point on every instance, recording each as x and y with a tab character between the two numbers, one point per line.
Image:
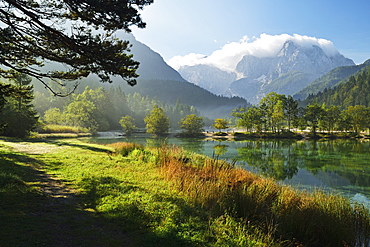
351	92
342	109
90	110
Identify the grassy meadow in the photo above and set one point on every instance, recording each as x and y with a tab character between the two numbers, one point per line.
71	193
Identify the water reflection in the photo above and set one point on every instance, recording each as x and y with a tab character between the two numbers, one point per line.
272	158
221	149
340	164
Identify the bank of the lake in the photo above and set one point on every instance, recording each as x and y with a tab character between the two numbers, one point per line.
336	165
158	197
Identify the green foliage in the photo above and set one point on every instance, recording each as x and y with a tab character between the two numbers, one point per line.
357	117
125	148
80	113
192	125
312	115
274	112
18	117
27	35
54	128
53	116
220	124
157	122
330	80
355	90
277	112
107	108
127	124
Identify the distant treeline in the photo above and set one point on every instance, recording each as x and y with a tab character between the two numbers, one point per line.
101	109
276	113
355	91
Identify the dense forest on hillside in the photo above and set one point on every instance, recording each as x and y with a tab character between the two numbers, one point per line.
331	79
354	91
170	91
101	109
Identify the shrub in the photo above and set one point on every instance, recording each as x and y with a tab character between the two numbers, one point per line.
301	218
125	148
53	128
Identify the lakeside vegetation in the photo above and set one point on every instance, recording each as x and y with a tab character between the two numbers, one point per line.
166	196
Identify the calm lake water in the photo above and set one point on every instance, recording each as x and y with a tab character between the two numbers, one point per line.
341	166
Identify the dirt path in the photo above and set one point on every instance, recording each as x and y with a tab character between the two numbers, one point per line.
61	214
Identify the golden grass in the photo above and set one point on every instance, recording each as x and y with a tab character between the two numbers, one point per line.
125	148
54	128
301	217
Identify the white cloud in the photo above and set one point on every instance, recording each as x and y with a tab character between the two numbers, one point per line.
266	45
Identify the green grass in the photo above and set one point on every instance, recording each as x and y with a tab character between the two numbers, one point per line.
127	195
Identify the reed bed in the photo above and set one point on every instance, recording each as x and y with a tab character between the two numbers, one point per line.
125	148
54	128
297	218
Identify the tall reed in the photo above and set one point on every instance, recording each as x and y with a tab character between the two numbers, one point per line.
311	219
125	148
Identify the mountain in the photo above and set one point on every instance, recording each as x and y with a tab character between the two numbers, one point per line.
158	80
354	90
168	91
152	65
331	79
288	71
205	76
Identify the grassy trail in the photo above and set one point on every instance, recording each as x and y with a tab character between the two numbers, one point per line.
40	209
71	193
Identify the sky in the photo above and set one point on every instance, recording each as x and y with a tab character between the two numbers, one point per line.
199	28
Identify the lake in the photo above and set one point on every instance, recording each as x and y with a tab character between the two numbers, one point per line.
341	166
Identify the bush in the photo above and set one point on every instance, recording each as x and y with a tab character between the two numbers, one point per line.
53	128
125	148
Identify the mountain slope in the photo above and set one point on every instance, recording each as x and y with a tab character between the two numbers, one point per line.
330	79
152	65
159	80
354	90
205	76
289	70
169	92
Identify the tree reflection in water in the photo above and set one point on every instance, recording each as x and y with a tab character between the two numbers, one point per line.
280	159
272	158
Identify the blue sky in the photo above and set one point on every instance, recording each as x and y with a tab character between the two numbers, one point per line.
180	27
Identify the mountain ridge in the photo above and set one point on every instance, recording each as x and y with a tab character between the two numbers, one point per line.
353	90
254	74
329	80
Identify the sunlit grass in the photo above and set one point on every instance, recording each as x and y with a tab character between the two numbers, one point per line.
124	148
280	210
53	128
171	197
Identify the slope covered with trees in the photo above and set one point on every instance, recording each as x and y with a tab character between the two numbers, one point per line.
353	91
102	109
169	91
329	80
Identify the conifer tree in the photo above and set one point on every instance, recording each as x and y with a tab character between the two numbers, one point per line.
80	34
18	117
